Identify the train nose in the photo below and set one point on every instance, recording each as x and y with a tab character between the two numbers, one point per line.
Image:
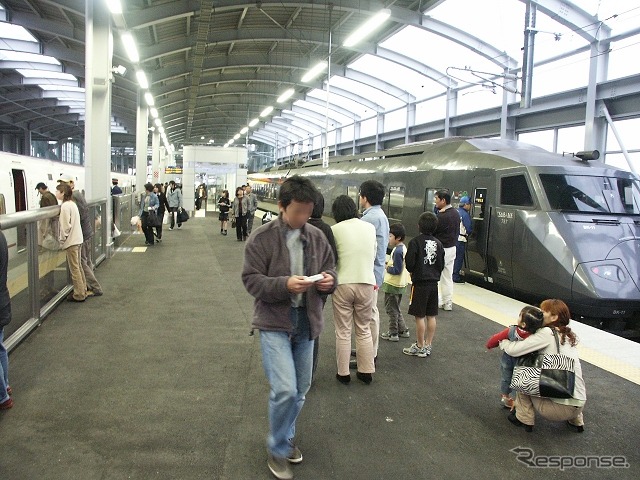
616	277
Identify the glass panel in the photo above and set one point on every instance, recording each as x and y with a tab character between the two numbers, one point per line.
431	110
368	128
619	161
575	193
98	246
430	199
52	266
395	120
347	133
515	191
542	139
17	283
395	203
354	194
571	139
628	131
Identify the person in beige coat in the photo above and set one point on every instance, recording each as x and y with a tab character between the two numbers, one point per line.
71	239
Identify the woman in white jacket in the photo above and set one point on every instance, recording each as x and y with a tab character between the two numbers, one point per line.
556	317
71	239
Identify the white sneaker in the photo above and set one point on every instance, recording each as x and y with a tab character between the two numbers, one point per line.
447	307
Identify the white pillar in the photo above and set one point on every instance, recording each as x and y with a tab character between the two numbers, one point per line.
97	130
155	156
142	142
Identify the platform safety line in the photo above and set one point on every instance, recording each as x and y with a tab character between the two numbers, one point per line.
587	354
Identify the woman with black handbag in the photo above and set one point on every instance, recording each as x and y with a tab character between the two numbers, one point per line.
148	208
554	339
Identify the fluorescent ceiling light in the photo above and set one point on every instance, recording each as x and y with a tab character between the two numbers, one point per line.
253	122
158	122
266	111
244	130
154	113
142	79
317	69
130	47
149	99
114	6
286	95
367	28
201	138
236	136
161	129
231	141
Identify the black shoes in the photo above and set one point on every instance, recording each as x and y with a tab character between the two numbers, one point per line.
513	419
575	428
344	379
364	377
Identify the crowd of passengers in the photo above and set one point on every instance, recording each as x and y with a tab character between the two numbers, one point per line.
294	262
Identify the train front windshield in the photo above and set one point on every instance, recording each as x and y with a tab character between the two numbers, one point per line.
581	193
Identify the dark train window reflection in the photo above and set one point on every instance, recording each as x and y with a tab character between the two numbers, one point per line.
395	202
581	193
514	190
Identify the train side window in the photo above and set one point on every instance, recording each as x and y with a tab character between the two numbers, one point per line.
430	199
395	202
514	190
3	205
354	194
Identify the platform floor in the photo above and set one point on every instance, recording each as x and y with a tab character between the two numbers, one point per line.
159	378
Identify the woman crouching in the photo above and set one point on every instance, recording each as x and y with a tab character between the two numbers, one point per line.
556	318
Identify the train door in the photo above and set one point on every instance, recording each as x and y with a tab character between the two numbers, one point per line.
395	204
20	195
478	240
514	196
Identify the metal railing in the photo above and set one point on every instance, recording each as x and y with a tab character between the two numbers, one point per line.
39	279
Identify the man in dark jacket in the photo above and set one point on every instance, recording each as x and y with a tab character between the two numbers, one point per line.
447	232
278	258
5	317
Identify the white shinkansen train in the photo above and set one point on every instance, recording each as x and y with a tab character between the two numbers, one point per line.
20	174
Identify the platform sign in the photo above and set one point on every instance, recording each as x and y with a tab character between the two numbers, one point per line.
173	170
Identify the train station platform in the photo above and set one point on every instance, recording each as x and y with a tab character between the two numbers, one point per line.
159	378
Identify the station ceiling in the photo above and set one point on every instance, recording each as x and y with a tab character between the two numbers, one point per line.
214	66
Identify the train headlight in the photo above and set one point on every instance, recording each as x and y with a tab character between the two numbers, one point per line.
609	272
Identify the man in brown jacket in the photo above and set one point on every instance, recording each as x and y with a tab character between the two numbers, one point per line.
279	258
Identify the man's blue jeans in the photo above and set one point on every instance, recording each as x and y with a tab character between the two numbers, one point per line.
287	361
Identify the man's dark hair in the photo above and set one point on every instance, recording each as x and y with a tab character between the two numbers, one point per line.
444	195
172	182
297	188
398	231
344	208
318	208
373	191
427	223
148	187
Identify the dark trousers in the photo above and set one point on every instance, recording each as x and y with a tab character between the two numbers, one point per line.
241	227
173	212
146	228
459	261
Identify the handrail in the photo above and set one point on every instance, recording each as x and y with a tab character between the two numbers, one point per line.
36	312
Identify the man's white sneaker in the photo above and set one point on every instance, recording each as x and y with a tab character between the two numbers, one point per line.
447	307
